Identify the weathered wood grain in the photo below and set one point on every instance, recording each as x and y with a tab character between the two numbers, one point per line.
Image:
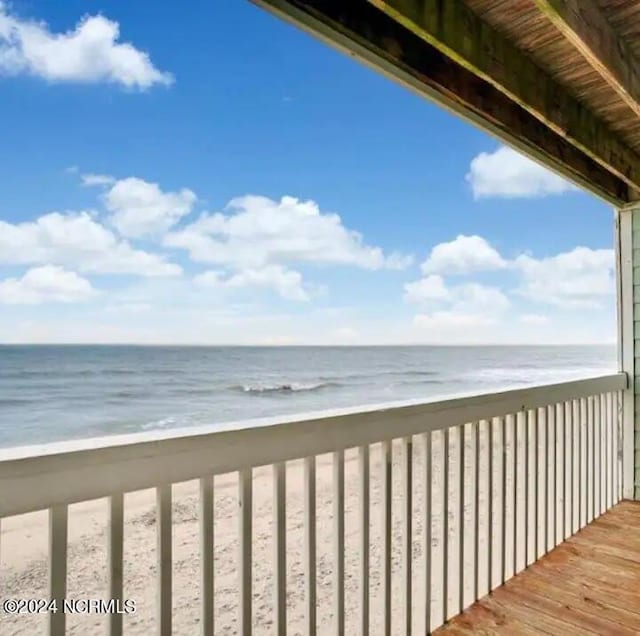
589	584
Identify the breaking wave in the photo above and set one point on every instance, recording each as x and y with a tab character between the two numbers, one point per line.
293	387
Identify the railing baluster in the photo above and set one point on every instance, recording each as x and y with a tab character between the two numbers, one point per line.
568	525
535	421
58	525
597	456
614	449
407	510
592	437
558	473
549	486
363	462
527	487
574	418
490	480
503	500
601	447
207	556
115	559
165	559
445	531
387	494
338	541
461	523
476	510
427	560
461	517
516	440
582	481
310	543
609	453
245	531
590	461
280	546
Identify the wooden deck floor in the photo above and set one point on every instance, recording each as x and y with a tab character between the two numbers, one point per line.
588	585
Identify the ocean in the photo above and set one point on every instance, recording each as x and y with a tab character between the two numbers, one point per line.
52	393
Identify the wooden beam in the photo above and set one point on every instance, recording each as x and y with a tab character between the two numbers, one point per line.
586	27
373	37
452	28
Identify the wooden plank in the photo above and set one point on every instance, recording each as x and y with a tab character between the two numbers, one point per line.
490	489
583	24
115	559
598	599
527	486
366	33
536	482
503	501
568	481
586	588
338	542
476	513
445	524
386	493
485	619
427	546
543	610
364	505
165	559
245	551
509	604
582	464
407	542
58	531
207	557
456	31
310	544
280	547
550	493
461	517
517	437
557	601
36	478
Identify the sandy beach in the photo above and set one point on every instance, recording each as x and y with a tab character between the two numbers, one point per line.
24	565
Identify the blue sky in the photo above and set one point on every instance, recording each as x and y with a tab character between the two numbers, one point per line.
217	176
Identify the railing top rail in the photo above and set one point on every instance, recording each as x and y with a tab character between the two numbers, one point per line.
36	477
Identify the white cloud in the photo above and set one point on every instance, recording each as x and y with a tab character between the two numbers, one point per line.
469	304
48	283
77	240
506	173
455	319
139	208
581	278
259	231
534	319
426	289
90	53
287	283
96	179
463	255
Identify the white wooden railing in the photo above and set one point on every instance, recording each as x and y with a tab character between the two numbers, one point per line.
488	483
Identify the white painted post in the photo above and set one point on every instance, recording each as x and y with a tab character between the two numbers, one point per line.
626	219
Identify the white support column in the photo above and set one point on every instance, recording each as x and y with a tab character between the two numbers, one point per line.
628	289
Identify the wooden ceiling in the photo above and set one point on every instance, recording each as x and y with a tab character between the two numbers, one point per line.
557	79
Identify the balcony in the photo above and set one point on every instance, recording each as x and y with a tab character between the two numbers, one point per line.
494	512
